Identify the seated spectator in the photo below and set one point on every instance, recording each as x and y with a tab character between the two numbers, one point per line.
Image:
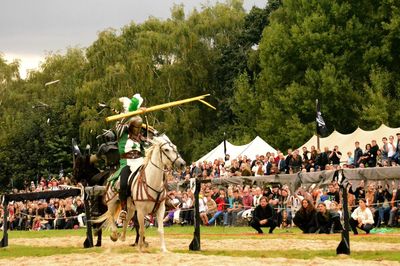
395	204
305	217
80	211
361	218
211	208
70	217
263	216
186	212
327	221
382	201
222	203
237	206
258	169
247	201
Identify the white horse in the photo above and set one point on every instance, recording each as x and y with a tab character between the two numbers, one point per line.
148	190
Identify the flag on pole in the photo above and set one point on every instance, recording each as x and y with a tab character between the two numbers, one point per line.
321	126
224	144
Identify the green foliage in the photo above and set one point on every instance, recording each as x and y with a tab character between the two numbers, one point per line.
335	51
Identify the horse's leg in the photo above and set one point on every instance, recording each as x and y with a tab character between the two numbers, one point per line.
136	225
112	208
160	216
140	216
99	235
131	211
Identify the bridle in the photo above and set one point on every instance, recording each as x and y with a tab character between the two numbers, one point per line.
162	152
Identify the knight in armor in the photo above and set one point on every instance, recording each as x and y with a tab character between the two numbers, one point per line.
130	147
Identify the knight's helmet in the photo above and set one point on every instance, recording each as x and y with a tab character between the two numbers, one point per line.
135	125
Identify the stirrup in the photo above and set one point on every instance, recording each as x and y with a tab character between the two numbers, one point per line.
122	215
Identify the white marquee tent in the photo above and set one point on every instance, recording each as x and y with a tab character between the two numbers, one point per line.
256	147
346	141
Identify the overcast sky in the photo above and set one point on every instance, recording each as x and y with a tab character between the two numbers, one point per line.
31	28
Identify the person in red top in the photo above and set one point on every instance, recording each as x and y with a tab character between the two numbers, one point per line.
222	203
247	200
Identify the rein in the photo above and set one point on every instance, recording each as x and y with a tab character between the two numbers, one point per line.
143	186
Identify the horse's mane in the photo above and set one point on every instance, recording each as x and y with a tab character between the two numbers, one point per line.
155	142
149	151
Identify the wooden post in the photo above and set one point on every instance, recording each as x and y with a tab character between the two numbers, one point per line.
344	245
4	241
89	236
195	244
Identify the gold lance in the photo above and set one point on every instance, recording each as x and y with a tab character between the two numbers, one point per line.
160	106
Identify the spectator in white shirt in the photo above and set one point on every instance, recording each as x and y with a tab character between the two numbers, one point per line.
361	218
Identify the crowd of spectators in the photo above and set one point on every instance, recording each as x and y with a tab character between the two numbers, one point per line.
312	210
37	215
306	160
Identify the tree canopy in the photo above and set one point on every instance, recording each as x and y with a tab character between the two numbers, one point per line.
264	69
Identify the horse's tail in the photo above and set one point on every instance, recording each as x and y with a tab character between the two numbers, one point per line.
108	218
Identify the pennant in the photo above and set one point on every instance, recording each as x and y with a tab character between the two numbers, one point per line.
321	126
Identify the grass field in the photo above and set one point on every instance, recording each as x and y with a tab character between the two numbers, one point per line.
221	242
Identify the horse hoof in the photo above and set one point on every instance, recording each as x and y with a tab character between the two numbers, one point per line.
134	244
122	238
114	237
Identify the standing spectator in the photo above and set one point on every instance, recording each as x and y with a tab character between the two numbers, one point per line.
362	218
288	159
374	152
322	159
313	157
296	162
281	164
358	153
385	149
263	216
366	157
391	149
335	156
396	156
306	159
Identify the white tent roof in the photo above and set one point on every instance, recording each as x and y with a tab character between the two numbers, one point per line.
256	147
346	141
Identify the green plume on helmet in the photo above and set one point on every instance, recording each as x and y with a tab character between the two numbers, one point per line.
136	102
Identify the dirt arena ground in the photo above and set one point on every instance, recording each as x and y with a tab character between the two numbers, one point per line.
110	256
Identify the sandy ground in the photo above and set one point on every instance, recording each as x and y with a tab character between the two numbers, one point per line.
110	257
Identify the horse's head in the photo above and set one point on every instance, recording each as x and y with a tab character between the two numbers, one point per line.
83	169
169	154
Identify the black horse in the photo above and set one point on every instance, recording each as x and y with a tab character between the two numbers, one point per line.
86	173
